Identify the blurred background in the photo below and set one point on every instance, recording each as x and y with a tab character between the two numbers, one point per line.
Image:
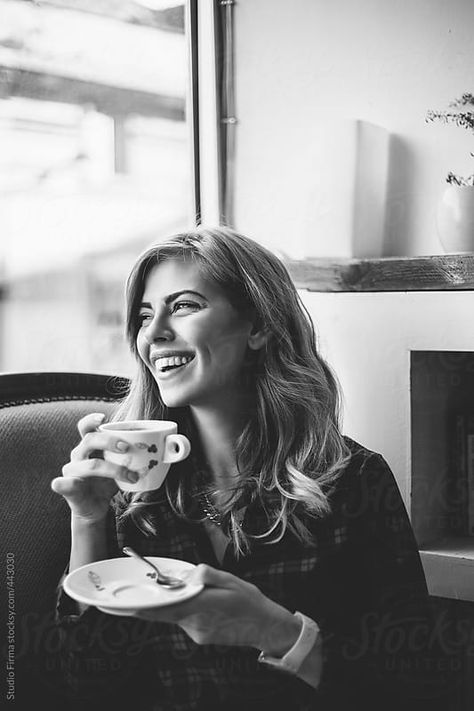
317	112
96	163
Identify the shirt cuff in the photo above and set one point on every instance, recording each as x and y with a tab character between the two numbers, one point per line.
67	610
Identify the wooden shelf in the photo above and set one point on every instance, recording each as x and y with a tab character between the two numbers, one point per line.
434	273
449	568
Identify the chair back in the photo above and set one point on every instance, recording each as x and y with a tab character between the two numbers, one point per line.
38	429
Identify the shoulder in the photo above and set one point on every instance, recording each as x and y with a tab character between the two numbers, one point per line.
366	477
361	459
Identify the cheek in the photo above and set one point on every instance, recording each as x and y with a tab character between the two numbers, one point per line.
142	345
228	353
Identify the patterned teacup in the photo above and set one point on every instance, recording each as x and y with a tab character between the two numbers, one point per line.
154	446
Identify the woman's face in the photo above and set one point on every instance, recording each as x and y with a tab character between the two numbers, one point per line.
191	338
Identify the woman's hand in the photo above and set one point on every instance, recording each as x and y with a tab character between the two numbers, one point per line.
89	482
230	611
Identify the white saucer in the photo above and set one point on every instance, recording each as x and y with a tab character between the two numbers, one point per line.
122	586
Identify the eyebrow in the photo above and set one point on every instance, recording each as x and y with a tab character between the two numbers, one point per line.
174	295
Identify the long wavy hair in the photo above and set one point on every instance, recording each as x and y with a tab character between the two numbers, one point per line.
291	450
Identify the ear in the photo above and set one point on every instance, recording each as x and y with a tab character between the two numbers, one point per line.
257	338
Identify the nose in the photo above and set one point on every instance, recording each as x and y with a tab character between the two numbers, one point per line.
158	329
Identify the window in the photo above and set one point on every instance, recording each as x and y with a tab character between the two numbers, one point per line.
96	164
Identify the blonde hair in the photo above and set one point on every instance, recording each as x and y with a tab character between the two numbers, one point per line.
291	449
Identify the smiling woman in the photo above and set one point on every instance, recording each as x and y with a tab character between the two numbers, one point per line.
207	336
312	580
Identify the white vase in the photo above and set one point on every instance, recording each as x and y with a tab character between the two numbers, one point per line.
455	219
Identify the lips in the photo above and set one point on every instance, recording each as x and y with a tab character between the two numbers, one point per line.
170	361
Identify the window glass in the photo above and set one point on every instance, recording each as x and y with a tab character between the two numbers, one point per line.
95	164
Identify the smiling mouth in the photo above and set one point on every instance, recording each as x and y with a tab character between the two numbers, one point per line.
165	365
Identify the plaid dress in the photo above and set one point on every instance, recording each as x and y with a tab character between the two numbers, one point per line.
361	580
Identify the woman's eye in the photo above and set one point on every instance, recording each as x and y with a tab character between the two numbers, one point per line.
184	306
143	318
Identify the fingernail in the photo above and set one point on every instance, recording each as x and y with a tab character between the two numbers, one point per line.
99	417
132	476
122	446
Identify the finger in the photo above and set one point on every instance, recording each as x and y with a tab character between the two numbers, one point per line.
100	467
98	441
179	611
154	615
207	575
76	493
61	485
90	422
172	614
71	488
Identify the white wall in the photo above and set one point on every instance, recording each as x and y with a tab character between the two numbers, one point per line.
367	339
380	61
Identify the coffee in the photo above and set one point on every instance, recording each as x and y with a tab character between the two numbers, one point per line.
132	428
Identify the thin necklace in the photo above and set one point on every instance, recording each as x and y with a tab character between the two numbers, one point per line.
210	511
213	514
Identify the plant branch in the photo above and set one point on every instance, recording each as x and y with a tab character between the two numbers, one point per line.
453	179
463	119
465	100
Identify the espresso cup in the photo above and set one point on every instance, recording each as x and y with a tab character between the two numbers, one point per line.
153	446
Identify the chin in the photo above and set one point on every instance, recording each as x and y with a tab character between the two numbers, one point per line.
175	397
173	400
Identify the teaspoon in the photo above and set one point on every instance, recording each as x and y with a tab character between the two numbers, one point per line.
165	580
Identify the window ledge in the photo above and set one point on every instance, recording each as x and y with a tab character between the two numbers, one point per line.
452	272
449	568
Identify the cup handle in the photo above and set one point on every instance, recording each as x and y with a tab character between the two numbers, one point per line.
177	447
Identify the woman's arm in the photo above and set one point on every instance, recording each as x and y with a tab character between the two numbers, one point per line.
233	612
88	542
312	667
102	656
99	652
88	485
297	647
379	637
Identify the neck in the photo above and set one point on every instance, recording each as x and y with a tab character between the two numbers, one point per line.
218	432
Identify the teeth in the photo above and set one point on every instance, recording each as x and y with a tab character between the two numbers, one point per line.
172	362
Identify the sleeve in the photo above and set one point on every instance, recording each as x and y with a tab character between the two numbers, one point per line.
101	654
381	646
67	609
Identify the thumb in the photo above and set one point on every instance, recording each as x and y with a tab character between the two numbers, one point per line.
66	487
207	575
72	489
